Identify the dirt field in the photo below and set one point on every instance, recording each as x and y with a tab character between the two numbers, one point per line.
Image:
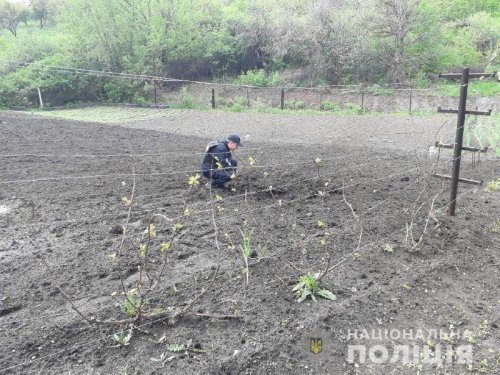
62	216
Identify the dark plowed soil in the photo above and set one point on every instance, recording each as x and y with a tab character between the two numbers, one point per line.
66	234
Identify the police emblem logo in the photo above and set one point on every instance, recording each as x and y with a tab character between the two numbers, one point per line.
316	345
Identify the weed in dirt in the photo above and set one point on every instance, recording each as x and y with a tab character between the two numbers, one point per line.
493	185
388	248
308	286
122	338
131	303
165	246
495	228
142	250
127	202
178	226
194	180
196	348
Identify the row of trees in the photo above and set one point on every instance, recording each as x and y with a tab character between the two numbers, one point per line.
307	41
13	13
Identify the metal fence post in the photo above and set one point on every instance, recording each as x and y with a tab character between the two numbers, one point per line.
362	98
411	94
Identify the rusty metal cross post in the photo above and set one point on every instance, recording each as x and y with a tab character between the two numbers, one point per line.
459	136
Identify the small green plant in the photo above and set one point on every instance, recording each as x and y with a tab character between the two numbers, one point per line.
495	228
471	340
151	231
493	185
122	338
131	304
388	248
126	201
165	246
175	348
308	286
194	180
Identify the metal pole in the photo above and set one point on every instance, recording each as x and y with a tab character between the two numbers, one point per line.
459	137
282	98
154	83
213	98
411	91
362	99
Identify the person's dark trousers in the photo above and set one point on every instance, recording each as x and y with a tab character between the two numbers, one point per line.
220	176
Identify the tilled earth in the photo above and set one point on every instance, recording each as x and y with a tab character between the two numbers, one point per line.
368	213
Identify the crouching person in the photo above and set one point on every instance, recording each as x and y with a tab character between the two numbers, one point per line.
219	165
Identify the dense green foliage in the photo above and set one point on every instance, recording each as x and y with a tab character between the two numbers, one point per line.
258	43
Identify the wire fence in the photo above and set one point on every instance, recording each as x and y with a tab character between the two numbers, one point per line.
171	92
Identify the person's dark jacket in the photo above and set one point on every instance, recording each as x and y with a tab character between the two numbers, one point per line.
218	151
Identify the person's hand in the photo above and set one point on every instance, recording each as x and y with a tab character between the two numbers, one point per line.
233	176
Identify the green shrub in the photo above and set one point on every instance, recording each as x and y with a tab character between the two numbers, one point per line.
238	104
327	105
220	101
260	106
377	90
353	108
18	87
121	91
299	104
186	100
259	78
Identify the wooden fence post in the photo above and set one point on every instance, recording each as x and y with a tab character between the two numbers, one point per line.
40	97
